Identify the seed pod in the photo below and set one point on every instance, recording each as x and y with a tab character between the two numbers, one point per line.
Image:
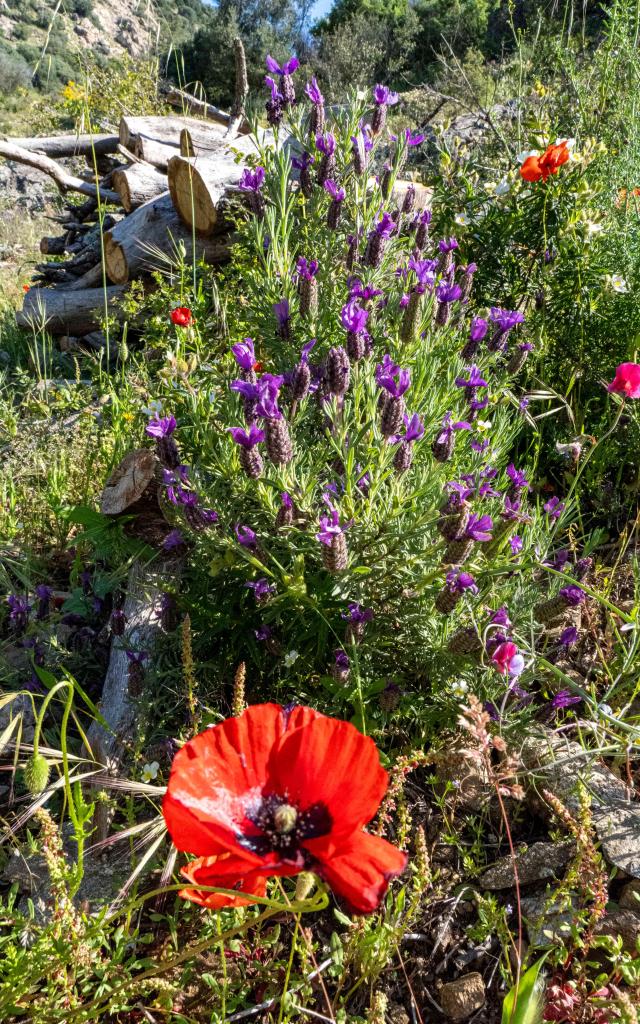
549	610
326	168
422	236
379	118
36	774
465	641
333	214
403	458
300	382
352	252
338	371
284	517
308	297
389	698
392	415
374	250
167	451
409	200
277	441
335	555
457	551
251	461
453	522
355	346
316	120
517	360
447	600
442	314
443	450
411	318
306	182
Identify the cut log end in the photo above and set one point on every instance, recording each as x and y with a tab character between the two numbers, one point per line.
192	199
115	260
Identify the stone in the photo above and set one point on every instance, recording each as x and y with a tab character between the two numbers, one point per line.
556	763
396	1014
462	997
548	922
539	862
623	923
630	896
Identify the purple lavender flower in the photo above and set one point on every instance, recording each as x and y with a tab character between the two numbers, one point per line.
174	539
395	385
387	368
568	637
460	582
358	290
252	180
357	614
303	165
443	444
244	354
330	527
422	223
505	320
554	507
447	245
247	438
263	633
361	144
516	544
246	537
572	595
306	269
478	329
312	91
518	480
161	426
326	143
287	68
283	318
410	139
448	292
472	382
262	589
43	593
383	96
479	528
385	226
501	618
19	609
353	318
414	428
336	193
563	699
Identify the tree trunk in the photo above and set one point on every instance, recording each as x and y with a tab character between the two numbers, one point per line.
67	311
150	151
67	145
146	240
138	184
66	182
197	188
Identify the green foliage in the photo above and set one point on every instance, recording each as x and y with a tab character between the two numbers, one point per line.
14	72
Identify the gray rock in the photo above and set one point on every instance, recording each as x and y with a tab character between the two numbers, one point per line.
548	922
536	864
630	897
623	923
462	997
557	764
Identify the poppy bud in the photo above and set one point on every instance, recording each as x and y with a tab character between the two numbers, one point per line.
277	441
36	773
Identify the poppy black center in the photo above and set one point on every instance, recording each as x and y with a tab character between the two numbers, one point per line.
284	827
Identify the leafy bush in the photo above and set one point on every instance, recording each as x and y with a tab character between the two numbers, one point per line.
14	72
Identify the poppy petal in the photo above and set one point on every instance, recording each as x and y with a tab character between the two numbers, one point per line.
360	871
220	774
531	169
225	872
319	765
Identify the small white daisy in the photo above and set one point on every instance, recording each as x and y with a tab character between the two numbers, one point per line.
618	283
150	771
462	219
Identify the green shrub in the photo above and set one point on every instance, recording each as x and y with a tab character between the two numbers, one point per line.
14	72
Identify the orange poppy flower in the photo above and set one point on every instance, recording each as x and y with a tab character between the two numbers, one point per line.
535	168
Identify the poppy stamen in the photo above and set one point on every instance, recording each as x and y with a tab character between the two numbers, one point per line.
285	818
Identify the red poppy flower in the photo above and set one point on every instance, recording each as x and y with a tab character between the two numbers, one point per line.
277	792
536	167
627	380
182	316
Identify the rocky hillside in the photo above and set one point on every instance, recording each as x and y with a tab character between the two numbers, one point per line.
47	34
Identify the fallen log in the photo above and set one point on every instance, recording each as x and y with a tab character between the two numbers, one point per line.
67	310
137	184
198	187
67	145
423	195
185	101
53	246
65	181
145	240
150	151
202	138
160	129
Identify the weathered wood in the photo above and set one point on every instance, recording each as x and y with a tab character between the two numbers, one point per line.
152	152
65	181
91	279
138	184
198	187
241	90
146	239
160	129
66	310
50	246
423	196
67	145
185	101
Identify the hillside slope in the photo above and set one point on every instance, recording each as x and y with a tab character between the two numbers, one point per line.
49	34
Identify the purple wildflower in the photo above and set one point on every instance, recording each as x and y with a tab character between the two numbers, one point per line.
282	69
572	595
383	96
568	636
246	536
312	91
336	193
460	582
554	507
306	269
516	544
161	426
262	589
247	438
174	539
563	699
252	180
479	528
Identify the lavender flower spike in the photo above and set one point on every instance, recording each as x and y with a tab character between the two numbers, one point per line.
331	535
383	97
